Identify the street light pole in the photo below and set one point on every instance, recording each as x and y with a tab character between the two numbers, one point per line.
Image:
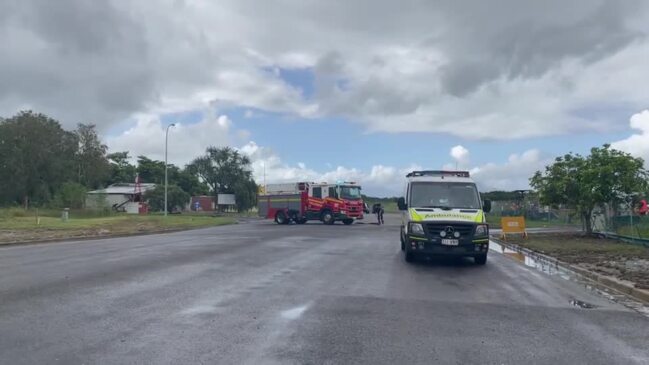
166	143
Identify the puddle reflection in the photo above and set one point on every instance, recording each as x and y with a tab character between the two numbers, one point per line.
552	268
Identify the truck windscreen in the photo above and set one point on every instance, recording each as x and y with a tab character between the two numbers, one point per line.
350	192
444	195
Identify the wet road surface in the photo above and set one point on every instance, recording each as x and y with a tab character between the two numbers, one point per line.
260	293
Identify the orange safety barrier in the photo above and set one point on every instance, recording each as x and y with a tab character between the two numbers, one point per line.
513	225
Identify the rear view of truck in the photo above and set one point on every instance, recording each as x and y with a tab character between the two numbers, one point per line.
284	202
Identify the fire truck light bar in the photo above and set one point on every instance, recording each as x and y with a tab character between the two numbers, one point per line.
438	173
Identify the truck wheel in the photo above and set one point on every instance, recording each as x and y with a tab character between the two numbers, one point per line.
281	218
327	217
409	256
403	240
480	260
348	221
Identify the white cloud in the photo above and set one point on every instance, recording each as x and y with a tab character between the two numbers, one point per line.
637	144
511	74
388	180
460	154
379	180
511	175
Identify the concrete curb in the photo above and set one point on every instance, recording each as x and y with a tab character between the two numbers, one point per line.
107	236
612	283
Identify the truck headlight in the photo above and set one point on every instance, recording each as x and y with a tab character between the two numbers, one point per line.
482	230
416	228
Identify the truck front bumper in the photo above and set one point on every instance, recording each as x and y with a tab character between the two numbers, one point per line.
466	247
349	215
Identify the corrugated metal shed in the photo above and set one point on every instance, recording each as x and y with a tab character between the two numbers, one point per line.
122	189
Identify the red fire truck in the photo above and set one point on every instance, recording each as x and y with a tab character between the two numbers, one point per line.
303	201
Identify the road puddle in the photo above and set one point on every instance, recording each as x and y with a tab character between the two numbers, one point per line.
535	262
552	268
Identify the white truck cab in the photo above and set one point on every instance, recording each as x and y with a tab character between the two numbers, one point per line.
443	215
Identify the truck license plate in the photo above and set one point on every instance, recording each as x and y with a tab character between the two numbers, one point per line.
449	242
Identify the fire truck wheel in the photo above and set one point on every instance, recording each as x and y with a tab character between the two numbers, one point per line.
348	221
327	217
281	218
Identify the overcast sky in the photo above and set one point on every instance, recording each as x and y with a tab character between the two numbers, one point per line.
316	90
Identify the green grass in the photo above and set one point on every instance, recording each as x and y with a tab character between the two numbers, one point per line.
636	231
573	247
23	227
127	220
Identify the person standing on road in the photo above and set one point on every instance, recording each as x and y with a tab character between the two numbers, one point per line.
378	210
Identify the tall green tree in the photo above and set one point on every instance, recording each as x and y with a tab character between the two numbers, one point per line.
245	193
188	182
93	168
70	195
121	170
36	157
226	171
151	171
584	183
176	198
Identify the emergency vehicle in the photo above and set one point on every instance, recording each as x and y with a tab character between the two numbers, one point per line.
442	214
303	201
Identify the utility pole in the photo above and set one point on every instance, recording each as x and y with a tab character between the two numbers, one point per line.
166	165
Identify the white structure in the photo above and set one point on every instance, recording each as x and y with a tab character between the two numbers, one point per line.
225	199
116	196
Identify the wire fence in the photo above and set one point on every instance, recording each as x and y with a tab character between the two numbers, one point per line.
625	226
535	214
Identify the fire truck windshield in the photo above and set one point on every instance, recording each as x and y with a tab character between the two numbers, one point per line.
350	192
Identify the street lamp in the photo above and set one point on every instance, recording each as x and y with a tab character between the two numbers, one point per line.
166	143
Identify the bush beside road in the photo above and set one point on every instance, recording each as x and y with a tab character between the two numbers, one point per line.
29	227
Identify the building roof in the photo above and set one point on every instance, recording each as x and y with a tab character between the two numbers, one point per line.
122	189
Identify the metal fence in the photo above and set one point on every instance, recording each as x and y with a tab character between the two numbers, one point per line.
624	226
534	213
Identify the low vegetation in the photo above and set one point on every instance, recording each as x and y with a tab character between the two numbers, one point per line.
17	225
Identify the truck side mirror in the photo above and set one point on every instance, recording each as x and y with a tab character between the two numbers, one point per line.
401	203
486	206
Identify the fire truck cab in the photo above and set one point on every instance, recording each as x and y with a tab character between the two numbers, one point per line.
303	201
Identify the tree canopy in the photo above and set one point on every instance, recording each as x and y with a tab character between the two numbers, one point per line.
36	157
226	171
176	198
92	164
43	164
583	183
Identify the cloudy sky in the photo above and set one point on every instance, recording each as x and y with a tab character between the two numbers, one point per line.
327	90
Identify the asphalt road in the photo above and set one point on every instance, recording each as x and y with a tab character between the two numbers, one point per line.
260	293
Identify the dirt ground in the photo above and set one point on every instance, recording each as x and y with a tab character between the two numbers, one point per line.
606	256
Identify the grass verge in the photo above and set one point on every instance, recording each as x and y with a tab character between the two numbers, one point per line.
30	228
605	256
